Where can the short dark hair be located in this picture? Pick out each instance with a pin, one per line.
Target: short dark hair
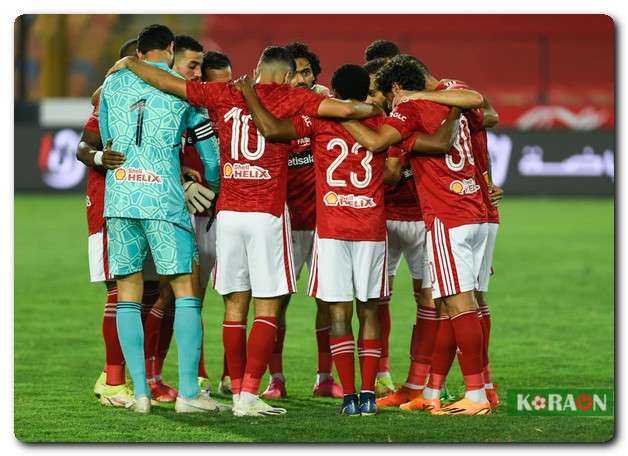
(373, 66)
(403, 70)
(213, 60)
(183, 42)
(154, 37)
(273, 54)
(351, 82)
(301, 51)
(421, 65)
(381, 49)
(128, 48)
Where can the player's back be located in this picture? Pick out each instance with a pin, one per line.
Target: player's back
(254, 171)
(146, 125)
(349, 182)
(447, 185)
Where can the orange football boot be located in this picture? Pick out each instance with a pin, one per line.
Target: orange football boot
(420, 403)
(465, 407)
(493, 398)
(401, 396)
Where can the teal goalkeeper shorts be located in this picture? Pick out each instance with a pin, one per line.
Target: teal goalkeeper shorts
(173, 248)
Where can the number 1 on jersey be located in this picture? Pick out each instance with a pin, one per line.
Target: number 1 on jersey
(139, 107)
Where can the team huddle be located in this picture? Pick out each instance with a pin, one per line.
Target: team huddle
(194, 176)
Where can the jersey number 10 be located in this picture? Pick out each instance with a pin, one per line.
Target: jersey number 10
(240, 136)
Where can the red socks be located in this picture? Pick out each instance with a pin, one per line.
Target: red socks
(342, 349)
(275, 366)
(324, 351)
(152, 326)
(423, 342)
(259, 348)
(443, 354)
(383, 310)
(369, 352)
(234, 342)
(470, 340)
(165, 335)
(225, 369)
(114, 364)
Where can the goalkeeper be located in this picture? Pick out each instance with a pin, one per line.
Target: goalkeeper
(145, 208)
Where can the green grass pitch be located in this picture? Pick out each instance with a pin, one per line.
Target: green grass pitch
(552, 304)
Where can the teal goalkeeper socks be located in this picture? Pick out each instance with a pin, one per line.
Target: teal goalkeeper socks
(189, 335)
(131, 336)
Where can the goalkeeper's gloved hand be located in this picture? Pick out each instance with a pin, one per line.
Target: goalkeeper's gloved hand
(197, 197)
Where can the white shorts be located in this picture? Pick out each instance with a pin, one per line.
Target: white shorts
(302, 242)
(254, 252)
(407, 238)
(344, 269)
(97, 252)
(206, 243)
(455, 256)
(487, 261)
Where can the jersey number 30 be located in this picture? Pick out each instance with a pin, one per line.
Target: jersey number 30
(240, 136)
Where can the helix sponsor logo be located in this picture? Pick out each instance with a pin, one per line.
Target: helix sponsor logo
(136, 175)
(245, 171)
(355, 201)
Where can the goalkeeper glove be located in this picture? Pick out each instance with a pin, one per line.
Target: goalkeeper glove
(197, 197)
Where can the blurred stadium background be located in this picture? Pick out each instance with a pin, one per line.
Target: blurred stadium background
(550, 77)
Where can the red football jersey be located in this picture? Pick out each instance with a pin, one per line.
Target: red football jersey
(95, 194)
(401, 200)
(480, 149)
(301, 186)
(349, 181)
(254, 172)
(447, 185)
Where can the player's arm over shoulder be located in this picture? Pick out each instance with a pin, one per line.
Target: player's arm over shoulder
(158, 78)
(438, 143)
(346, 109)
(269, 126)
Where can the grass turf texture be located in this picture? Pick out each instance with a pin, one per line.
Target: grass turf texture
(551, 302)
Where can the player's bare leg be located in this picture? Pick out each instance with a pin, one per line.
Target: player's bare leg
(491, 389)
(369, 352)
(188, 333)
(467, 331)
(277, 385)
(325, 385)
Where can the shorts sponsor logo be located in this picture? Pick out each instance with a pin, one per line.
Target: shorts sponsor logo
(88, 201)
(136, 175)
(464, 187)
(561, 401)
(245, 171)
(355, 201)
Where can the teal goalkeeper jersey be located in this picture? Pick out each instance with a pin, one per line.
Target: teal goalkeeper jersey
(147, 125)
